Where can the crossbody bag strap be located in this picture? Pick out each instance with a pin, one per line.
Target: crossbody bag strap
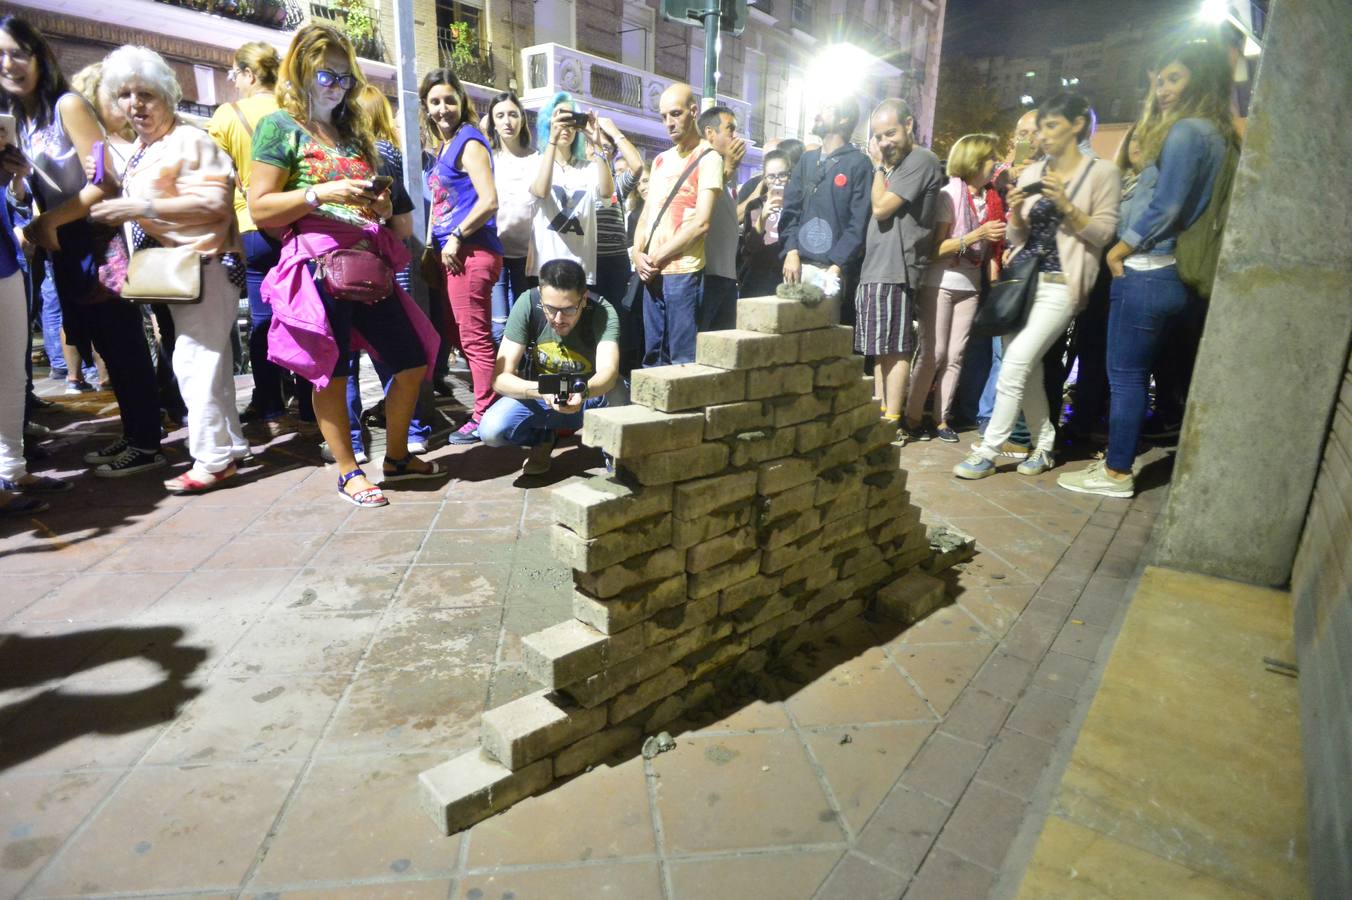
(240, 114)
(676, 189)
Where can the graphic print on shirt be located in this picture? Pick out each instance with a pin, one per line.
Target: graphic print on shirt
(553, 358)
(280, 141)
(568, 202)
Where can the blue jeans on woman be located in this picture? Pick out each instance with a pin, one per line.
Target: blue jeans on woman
(512, 283)
(417, 429)
(1142, 308)
(261, 253)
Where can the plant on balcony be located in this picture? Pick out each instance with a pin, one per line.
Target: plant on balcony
(461, 52)
(359, 23)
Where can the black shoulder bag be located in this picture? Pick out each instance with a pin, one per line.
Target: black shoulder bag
(1005, 307)
(631, 307)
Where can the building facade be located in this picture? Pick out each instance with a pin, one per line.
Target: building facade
(615, 55)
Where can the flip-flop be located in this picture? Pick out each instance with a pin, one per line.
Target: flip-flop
(24, 506)
(367, 498)
(403, 473)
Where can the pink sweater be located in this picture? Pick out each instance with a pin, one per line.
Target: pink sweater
(1080, 251)
(300, 338)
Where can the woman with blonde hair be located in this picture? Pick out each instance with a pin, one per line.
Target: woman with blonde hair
(1185, 136)
(968, 238)
(314, 164)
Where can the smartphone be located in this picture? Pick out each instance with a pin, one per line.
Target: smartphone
(1022, 150)
(1031, 189)
(381, 183)
(580, 119)
(9, 130)
(97, 152)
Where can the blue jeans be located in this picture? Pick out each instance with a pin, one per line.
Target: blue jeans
(261, 253)
(720, 304)
(971, 403)
(51, 323)
(673, 308)
(417, 429)
(512, 283)
(1142, 309)
(510, 422)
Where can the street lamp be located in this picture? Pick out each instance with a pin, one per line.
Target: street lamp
(1215, 12)
(1027, 100)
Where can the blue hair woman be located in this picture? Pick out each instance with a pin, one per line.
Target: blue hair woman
(573, 173)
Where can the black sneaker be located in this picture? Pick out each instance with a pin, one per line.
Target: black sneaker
(109, 453)
(466, 434)
(1159, 431)
(946, 434)
(131, 462)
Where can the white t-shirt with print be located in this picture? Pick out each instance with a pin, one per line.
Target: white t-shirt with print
(565, 221)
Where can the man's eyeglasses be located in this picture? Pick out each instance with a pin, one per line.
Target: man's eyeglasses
(561, 312)
(232, 75)
(328, 78)
(22, 57)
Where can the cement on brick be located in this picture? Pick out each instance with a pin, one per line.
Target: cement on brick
(695, 498)
(775, 315)
(727, 419)
(473, 786)
(591, 507)
(762, 384)
(674, 465)
(689, 386)
(634, 430)
(534, 726)
(735, 349)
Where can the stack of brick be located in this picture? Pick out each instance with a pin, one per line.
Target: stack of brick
(758, 503)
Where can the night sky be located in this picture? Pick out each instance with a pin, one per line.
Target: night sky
(1031, 27)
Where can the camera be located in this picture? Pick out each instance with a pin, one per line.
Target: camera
(579, 119)
(561, 385)
(1031, 189)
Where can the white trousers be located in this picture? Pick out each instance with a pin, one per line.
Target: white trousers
(14, 344)
(205, 368)
(1020, 381)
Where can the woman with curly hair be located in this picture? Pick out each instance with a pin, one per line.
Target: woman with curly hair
(314, 165)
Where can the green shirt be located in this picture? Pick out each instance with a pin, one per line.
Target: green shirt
(574, 354)
(280, 141)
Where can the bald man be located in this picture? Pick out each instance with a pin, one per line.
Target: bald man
(669, 252)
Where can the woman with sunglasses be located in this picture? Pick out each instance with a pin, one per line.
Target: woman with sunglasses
(57, 132)
(314, 161)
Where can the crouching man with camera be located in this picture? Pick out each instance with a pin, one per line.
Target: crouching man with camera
(560, 354)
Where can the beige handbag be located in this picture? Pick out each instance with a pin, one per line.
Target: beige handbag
(163, 275)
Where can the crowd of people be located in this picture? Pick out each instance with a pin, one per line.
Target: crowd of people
(557, 262)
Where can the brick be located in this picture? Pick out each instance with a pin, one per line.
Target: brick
(878, 435)
(950, 547)
(836, 483)
(745, 349)
(859, 560)
(634, 430)
(840, 372)
(846, 612)
(685, 533)
(631, 573)
(792, 410)
(733, 418)
(826, 343)
(873, 577)
(473, 786)
(762, 384)
(566, 653)
(676, 465)
(690, 386)
(810, 436)
(708, 660)
(858, 392)
(593, 506)
(593, 749)
(696, 498)
(811, 574)
(838, 454)
(848, 501)
(884, 487)
(742, 593)
(729, 573)
(646, 693)
(789, 528)
(667, 711)
(774, 315)
(754, 447)
(907, 559)
(719, 549)
(782, 474)
(775, 506)
(535, 726)
(781, 558)
(678, 619)
(630, 608)
(763, 632)
(911, 597)
(852, 420)
(592, 555)
(844, 528)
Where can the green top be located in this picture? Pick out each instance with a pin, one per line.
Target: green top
(280, 141)
(555, 355)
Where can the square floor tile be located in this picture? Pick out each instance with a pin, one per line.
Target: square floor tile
(941, 671)
(410, 638)
(862, 764)
(107, 597)
(38, 813)
(867, 688)
(405, 710)
(763, 876)
(178, 553)
(367, 589)
(452, 586)
(290, 643)
(384, 548)
(627, 881)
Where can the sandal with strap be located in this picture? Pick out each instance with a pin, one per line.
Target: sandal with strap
(367, 498)
(402, 472)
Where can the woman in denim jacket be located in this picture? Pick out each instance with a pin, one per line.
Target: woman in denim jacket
(1184, 134)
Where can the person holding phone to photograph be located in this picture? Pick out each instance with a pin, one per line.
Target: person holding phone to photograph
(569, 340)
(314, 162)
(58, 131)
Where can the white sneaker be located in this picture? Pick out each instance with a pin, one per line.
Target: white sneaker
(1096, 480)
(1038, 461)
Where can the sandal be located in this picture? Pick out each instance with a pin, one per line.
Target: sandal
(403, 473)
(367, 498)
(190, 483)
(24, 506)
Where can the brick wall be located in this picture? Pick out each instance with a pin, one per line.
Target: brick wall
(1321, 587)
(597, 28)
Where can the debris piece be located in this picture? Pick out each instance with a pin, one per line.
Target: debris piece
(658, 743)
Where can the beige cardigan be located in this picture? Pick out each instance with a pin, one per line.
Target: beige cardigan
(1080, 251)
(186, 161)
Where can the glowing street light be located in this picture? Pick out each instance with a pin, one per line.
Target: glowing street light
(1214, 11)
(1027, 100)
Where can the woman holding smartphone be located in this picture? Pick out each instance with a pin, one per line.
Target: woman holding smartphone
(314, 164)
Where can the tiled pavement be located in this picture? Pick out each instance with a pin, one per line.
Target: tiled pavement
(231, 695)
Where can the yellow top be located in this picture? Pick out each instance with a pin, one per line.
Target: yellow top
(237, 141)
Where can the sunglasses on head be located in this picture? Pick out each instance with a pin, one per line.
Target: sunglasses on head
(328, 78)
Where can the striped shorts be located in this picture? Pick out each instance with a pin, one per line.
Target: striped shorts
(884, 322)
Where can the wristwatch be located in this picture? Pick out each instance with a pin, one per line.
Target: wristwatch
(457, 233)
(311, 197)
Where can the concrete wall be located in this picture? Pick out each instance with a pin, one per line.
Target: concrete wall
(1273, 353)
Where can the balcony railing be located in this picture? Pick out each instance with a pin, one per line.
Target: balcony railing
(283, 15)
(551, 68)
(473, 63)
(369, 44)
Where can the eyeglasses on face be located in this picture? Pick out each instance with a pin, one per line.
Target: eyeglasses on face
(561, 312)
(328, 78)
(777, 176)
(21, 56)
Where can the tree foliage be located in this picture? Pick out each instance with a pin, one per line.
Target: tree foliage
(965, 105)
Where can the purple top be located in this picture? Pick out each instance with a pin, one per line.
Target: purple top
(453, 193)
